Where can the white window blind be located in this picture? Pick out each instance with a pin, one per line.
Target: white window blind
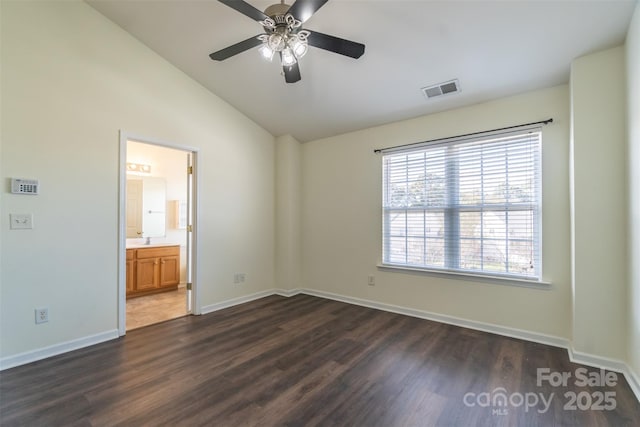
(465, 205)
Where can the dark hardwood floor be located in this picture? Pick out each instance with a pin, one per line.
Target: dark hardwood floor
(305, 361)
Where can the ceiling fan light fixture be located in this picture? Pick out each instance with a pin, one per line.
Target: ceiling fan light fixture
(288, 57)
(268, 23)
(283, 34)
(298, 46)
(292, 22)
(266, 52)
(300, 49)
(276, 42)
(287, 40)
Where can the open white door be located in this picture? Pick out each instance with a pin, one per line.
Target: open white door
(189, 249)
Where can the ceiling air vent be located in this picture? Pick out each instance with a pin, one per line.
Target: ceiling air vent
(441, 89)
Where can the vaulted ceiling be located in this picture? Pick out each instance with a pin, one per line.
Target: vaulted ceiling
(494, 49)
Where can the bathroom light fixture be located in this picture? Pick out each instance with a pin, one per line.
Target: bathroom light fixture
(138, 168)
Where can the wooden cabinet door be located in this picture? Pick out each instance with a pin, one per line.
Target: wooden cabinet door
(147, 274)
(131, 278)
(131, 270)
(169, 271)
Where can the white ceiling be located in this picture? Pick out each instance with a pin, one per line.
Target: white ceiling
(494, 48)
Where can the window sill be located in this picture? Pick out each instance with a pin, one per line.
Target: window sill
(497, 280)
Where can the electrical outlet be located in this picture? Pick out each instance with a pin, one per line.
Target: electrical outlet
(239, 278)
(372, 280)
(42, 315)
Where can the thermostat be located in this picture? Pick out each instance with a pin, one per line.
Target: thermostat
(24, 186)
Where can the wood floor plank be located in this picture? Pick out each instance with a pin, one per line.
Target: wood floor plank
(301, 361)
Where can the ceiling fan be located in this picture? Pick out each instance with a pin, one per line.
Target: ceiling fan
(283, 35)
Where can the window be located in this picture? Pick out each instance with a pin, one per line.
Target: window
(465, 205)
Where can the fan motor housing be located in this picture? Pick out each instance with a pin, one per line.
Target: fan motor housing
(275, 10)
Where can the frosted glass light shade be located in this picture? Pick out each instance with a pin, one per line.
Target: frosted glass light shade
(298, 46)
(266, 52)
(276, 42)
(288, 58)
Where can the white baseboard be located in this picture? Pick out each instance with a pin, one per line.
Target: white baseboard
(240, 300)
(634, 381)
(287, 292)
(56, 349)
(608, 364)
(596, 361)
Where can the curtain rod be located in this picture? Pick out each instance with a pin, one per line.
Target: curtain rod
(542, 122)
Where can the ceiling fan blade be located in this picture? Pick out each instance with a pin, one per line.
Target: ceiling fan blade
(335, 44)
(291, 73)
(235, 49)
(245, 8)
(303, 9)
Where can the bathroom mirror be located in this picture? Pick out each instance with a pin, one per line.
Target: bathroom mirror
(146, 207)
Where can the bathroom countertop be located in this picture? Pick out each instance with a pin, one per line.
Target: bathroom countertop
(152, 245)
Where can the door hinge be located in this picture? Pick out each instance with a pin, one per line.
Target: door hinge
(190, 228)
(189, 286)
(190, 170)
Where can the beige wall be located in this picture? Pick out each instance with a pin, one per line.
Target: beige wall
(633, 162)
(71, 80)
(341, 219)
(288, 203)
(599, 222)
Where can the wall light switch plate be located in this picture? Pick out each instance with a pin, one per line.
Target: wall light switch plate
(21, 221)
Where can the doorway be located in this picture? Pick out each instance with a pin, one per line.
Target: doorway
(157, 244)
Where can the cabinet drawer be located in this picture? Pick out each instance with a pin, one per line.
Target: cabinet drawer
(131, 254)
(158, 252)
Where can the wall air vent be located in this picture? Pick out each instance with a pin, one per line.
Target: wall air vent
(452, 86)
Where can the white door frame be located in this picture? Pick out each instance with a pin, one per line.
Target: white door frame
(122, 225)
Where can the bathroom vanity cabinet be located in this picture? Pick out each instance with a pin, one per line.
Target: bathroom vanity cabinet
(152, 269)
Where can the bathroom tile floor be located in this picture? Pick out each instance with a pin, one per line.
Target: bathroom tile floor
(150, 309)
